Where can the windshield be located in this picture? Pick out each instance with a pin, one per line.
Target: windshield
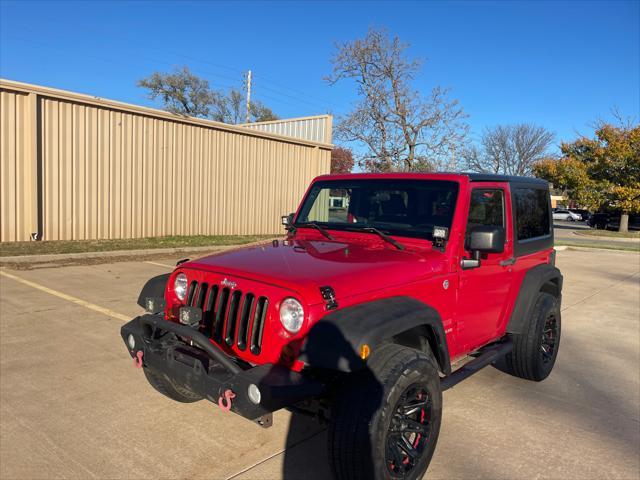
(399, 207)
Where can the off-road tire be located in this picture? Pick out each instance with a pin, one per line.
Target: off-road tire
(527, 359)
(169, 389)
(366, 407)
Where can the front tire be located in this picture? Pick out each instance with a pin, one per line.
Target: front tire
(386, 421)
(170, 389)
(535, 351)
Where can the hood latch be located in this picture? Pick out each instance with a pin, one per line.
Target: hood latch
(329, 296)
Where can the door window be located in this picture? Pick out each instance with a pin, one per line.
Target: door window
(486, 208)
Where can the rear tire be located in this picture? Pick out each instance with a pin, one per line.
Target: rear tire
(170, 389)
(385, 422)
(534, 351)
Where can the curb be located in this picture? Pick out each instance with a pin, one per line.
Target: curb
(609, 239)
(594, 249)
(56, 257)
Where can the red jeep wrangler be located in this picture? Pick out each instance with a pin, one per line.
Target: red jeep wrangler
(382, 281)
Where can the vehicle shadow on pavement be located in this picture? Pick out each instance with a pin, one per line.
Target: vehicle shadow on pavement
(311, 458)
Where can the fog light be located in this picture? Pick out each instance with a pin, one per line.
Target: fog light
(131, 342)
(254, 394)
(191, 316)
(154, 305)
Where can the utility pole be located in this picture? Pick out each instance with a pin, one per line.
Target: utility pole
(248, 96)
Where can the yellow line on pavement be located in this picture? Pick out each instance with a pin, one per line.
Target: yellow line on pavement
(64, 296)
(161, 265)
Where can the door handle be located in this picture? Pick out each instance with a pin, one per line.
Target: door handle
(507, 262)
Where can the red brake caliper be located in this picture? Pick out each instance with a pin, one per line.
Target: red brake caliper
(419, 435)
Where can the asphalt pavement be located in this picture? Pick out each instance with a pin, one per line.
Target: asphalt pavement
(72, 405)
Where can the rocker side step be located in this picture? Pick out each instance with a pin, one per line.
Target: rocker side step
(486, 356)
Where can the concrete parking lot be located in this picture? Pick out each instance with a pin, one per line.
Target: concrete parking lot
(73, 405)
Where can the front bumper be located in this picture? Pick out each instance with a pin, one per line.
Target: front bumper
(190, 359)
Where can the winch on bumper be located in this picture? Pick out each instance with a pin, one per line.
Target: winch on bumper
(190, 359)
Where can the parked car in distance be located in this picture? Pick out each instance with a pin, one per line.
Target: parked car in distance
(599, 220)
(614, 222)
(566, 215)
(611, 221)
(585, 214)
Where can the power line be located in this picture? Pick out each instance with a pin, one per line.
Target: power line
(261, 96)
(292, 89)
(305, 99)
(300, 97)
(296, 99)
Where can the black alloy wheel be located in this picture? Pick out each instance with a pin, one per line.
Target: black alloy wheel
(408, 431)
(549, 338)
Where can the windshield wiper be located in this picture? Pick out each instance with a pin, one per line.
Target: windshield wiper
(381, 234)
(315, 225)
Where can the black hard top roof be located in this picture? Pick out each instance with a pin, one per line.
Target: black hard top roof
(473, 177)
(490, 177)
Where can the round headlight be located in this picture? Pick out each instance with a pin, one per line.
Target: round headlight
(291, 315)
(180, 286)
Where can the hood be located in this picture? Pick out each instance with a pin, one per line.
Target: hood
(303, 266)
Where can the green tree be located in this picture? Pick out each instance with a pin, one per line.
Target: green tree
(261, 113)
(184, 93)
(181, 92)
(600, 172)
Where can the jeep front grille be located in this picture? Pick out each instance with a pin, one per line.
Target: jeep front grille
(230, 315)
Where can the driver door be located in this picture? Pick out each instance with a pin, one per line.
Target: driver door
(484, 291)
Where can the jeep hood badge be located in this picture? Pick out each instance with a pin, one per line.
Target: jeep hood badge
(228, 283)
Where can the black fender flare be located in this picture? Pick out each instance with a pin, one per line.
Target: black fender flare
(334, 341)
(545, 278)
(153, 288)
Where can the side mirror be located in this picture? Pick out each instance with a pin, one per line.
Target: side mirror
(287, 219)
(483, 239)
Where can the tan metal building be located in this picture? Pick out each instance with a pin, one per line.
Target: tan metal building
(74, 166)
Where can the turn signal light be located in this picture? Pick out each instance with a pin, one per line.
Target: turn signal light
(364, 351)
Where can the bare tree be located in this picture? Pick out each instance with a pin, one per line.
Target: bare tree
(509, 149)
(399, 128)
(184, 93)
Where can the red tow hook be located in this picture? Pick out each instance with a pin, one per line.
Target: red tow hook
(228, 395)
(137, 361)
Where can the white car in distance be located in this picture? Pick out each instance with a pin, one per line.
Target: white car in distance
(566, 215)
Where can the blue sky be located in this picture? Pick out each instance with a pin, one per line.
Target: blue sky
(557, 64)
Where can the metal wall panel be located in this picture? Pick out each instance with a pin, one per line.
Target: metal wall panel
(112, 170)
(18, 175)
(317, 129)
